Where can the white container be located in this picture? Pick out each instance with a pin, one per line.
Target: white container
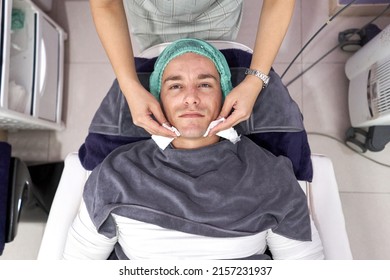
(368, 71)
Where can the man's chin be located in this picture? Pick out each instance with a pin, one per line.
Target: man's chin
(192, 132)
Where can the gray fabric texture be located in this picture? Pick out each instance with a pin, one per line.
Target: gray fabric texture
(222, 190)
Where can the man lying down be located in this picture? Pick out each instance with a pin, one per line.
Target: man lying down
(195, 196)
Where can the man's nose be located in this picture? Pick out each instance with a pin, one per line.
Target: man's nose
(192, 96)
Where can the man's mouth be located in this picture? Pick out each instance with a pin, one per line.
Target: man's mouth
(191, 115)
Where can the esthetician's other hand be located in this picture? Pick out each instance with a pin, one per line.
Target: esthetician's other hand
(238, 104)
(274, 20)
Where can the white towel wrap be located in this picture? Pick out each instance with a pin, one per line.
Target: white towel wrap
(229, 134)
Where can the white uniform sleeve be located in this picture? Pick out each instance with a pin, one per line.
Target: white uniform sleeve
(283, 248)
(84, 242)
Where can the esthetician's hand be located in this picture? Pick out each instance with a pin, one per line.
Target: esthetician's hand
(274, 20)
(143, 107)
(111, 25)
(239, 103)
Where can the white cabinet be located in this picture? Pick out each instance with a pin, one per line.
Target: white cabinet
(32, 63)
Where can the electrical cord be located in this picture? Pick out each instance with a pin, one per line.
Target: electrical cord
(315, 35)
(340, 141)
(347, 37)
(335, 47)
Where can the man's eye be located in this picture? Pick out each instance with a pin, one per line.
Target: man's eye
(204, 85)
(175, 86)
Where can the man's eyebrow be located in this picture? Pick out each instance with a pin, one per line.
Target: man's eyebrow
(173, 78)
(207, 76)
(200, 77)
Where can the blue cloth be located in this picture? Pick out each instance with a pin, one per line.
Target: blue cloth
(5, 159)
(276, 122)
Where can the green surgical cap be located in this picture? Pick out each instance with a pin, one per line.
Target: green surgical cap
(181, 47)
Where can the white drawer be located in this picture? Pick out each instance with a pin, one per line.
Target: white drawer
(45, 96)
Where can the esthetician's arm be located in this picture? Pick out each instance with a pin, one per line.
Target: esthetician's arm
(111, 24)
(274, 20)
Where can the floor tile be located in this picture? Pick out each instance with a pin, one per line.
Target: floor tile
(83, 44)
(325, 99)
(292, 41)
(321, 93)
(366, 221)
(354, 172)
(314, 16)
(30, 145)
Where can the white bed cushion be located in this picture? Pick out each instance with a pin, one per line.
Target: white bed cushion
(322, 193)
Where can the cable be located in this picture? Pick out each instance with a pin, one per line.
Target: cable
(338, 45)
(322, 57)
(340, 141)
(315, 35)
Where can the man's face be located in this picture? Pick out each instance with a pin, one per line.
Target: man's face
(191, 94)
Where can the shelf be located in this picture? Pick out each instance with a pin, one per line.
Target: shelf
(11, 120)
(359, 8)
(32, 61)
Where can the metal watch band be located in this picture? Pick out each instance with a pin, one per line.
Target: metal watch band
(259, 75)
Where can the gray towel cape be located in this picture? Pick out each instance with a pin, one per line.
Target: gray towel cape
(223, 190)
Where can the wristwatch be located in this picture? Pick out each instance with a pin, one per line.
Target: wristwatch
(258, 74)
